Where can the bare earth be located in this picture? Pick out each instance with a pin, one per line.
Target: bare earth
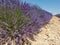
(50, 34)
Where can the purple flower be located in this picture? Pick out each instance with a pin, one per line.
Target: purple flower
(21, 20)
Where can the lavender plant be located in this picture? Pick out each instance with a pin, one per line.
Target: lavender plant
(19, 21)
(10, 20)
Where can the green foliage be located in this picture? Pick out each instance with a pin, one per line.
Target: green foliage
(9, 17)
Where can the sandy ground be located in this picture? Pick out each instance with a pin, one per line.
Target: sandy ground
(50, 34)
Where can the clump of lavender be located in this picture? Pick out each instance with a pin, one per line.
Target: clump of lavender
(19, 21)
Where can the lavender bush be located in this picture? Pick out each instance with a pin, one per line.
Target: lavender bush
(19, 21)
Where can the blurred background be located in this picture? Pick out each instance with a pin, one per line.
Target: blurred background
(52, 6)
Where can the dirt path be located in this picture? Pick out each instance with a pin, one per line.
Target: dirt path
(50, 34)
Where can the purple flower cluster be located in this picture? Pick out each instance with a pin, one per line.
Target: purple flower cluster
(21, 20)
